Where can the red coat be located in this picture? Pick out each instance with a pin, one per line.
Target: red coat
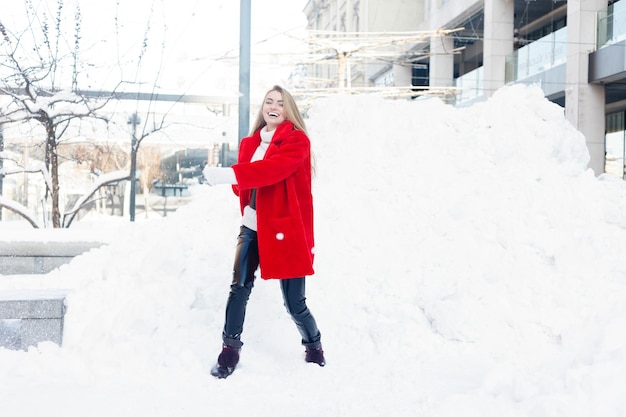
(284, 204)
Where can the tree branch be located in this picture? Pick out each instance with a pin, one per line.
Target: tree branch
(21, 210)
(109, 178)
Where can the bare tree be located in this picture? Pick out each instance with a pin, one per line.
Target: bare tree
(40, 87)
(39, 72)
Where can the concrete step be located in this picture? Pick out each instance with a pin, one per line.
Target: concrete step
(28, 317)
(37, 257)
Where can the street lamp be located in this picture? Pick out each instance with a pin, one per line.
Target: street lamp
(133, 120)
(1, 162)
(245, 12)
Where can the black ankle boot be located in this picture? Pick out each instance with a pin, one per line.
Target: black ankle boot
(226, 362)
(229, 357)
(314, 353)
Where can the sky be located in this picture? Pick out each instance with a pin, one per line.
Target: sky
(467, 263)
(191, 45)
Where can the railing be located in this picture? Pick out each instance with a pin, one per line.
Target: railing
(538, 56)
(612, 24)
(534, 58)
(469, 86)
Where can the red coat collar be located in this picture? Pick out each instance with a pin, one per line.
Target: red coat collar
(249, 144)
(284, 127)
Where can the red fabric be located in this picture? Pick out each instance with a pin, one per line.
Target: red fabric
(284, 203)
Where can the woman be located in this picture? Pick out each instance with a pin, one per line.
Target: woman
(272, 178)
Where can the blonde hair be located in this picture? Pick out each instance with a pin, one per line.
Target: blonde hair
(290, 111)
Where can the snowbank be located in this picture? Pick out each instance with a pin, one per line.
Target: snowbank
(467, 263)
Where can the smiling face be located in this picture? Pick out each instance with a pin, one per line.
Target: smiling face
(273, 110)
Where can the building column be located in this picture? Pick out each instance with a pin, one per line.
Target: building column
(441, 69)
(498, 42)
(584, 102)
(349, 16)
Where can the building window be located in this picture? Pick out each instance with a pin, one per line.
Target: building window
(614, 145)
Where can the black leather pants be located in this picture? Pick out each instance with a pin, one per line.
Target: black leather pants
(293, 289)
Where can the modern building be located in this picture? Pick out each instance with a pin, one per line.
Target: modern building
(575, 50)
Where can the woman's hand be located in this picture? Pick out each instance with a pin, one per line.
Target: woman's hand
(219, 175)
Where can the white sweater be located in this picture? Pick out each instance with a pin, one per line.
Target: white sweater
(249, 214)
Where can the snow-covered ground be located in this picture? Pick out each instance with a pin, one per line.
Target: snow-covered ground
(468, 264)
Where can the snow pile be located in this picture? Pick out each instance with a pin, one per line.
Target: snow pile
(467, 262)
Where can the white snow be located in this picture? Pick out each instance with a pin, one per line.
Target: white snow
(468, 264)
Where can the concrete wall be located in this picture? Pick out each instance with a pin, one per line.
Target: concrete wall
(28, 317)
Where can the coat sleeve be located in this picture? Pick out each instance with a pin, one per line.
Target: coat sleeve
(284, 157)
(246, 149)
